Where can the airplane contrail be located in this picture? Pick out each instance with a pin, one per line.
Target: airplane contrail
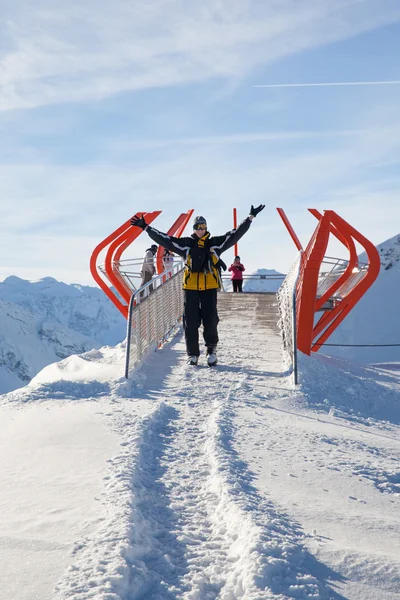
(326, 84)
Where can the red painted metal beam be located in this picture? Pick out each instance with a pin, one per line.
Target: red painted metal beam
(125, 240)
(176, 230)
(290, 229)
(235, 247)
(123, 232)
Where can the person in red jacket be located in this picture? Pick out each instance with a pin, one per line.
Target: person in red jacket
(237, 274)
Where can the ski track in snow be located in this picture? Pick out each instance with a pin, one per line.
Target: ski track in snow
(186, 517)
(221, 521)
(195, 526)
(197, 530)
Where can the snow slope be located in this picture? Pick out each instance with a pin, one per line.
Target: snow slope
(227, 483)
(52, 460)
(376, 318)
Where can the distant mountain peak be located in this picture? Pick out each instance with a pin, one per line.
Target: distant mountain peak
(14, 280)
(82, 308)
(389, 252)
(43, 321)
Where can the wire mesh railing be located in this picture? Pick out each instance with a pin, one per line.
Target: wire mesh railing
(331, 270)
(286, 296)
(155, 309)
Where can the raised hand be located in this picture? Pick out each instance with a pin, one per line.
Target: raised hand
(254, 211)
(138, 222)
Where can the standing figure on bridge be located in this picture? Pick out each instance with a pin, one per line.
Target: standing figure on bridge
(168, 259)
(201, 278)
(148, 266)
(237, 269)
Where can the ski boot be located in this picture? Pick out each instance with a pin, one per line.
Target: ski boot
(212, 357)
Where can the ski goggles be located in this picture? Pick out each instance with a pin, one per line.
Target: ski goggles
(200, 226)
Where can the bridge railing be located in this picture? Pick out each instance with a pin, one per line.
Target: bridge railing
(154, 310)
(274, 280)
(288, 316)
(331, 271)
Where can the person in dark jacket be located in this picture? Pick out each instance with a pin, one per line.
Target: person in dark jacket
(201, 278)
(237, 269)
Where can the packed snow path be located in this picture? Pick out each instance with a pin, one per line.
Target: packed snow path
(200, 530)
(230, 484)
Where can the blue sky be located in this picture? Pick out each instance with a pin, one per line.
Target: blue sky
(109, 108)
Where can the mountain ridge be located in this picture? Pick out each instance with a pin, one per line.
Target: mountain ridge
(45, 321)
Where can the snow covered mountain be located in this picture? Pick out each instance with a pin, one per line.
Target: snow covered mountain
(45, 321)
(84, 309)
(376, 318)
(390, 253)
(30, 341)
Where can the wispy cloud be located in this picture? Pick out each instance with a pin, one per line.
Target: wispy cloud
(90, 200)
(123, 145)
(72, 52)
(69, 175)
(324, 84)
(32, 246)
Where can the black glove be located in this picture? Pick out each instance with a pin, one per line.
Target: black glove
(139, 222)
(254, 211)
(221, 265)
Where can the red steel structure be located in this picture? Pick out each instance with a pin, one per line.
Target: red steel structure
(176, 230)
(125, 235)
(332, 294)
(115, 244)
(235, 247)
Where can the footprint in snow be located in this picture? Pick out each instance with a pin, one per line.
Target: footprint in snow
(357, 499)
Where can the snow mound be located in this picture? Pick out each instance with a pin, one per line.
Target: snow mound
(355, 392)
(102, 365)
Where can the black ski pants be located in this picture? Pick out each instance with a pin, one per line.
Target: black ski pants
(237, 285)
(200, 307)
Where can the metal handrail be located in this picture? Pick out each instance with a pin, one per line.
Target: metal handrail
(287, 302)
(130, 270)
(154, 310)
(144, 291)
(338, 268)
(256, 276)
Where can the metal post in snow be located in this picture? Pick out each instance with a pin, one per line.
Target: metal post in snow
(295, 368)
(129, 335)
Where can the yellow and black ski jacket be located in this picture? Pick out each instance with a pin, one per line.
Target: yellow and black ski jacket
(202, 255)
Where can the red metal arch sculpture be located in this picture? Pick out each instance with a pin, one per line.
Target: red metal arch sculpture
(336, 298)
(115, 244)
(176, 230)
(122, 237)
